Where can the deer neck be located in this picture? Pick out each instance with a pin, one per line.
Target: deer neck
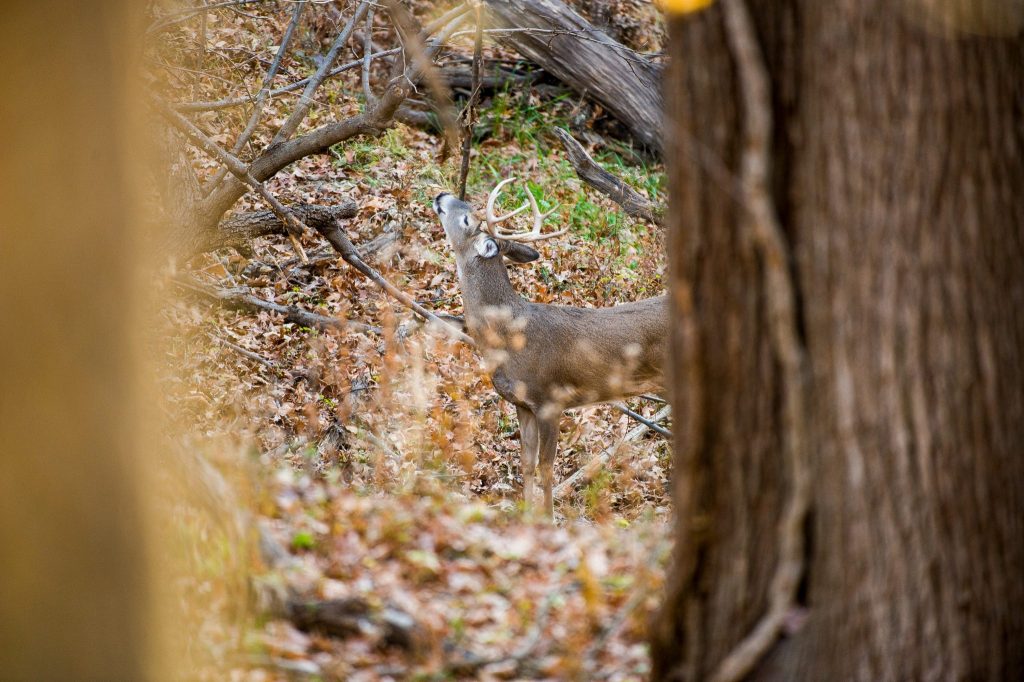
(485, 285)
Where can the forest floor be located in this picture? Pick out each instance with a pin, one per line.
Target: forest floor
(382, 462)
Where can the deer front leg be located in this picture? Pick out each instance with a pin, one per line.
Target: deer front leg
(548, 435)
(529, 443)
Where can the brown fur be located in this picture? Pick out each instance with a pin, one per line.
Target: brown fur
(547, 358)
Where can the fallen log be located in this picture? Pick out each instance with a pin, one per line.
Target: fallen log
(240, 229)
(556, 38)
(590, 172)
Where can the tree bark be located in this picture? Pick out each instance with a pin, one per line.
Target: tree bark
(897, 158)
(566, 45)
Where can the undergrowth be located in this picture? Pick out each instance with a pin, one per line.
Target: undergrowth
(385, 464)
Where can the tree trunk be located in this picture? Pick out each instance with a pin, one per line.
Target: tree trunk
(566, 45)
(896, 167)
(74, 598)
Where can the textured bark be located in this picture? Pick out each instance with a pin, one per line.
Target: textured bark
(563, 43)
(897, 162)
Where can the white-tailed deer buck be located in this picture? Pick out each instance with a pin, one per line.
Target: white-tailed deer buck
(545, 358)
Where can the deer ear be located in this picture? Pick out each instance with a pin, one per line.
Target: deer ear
(517, 252)
(486, 247)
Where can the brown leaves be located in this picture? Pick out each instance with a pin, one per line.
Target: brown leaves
(385, 463)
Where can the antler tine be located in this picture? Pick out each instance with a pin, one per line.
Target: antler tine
(493, 220)
(533, 235)
(538, 220)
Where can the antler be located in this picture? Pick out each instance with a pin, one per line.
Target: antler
(533, 235)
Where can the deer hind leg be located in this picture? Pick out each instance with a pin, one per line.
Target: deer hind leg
(548, 432)
(529, 443)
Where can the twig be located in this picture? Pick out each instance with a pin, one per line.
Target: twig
(306, 100)
(261, 97)
(184, 15)
(367, 49)
(229, 102)
(469, 119)
(423, 65)
(244, 351)
(631, 201)
(780, 298)
(642, 419)
(590, 469)
(341, 243)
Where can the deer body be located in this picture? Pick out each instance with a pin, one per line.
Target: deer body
(547, 358)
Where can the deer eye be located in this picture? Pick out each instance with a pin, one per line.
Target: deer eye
(465, 220)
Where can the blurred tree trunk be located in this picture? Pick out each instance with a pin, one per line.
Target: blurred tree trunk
(74, 602)
(897, 172)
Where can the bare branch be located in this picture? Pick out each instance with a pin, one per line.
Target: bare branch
(423, 66)
(469, 114)
(228, 102)
(243, 299)
(373, 121)
(367, 50)
(653, 426)
(261, 98)
(239, 170)
(591, 468)
(341, 243)
(590, 172)
(306, 100)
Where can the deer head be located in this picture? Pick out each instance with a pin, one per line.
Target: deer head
(472, 237)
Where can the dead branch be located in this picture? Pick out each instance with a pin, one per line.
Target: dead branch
(298, 114)
(241, 228)
(590, 172)
(239, 170)
(422, 61)
(374, 121)
(354, 615)
(780, 296)
(653, 426)
(228, 102)
(591, 468)
(244, 352)
(242, 298)
(367, 50)
(261, 97)
(341, 243)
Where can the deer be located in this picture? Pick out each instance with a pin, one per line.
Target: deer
(545, 358)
